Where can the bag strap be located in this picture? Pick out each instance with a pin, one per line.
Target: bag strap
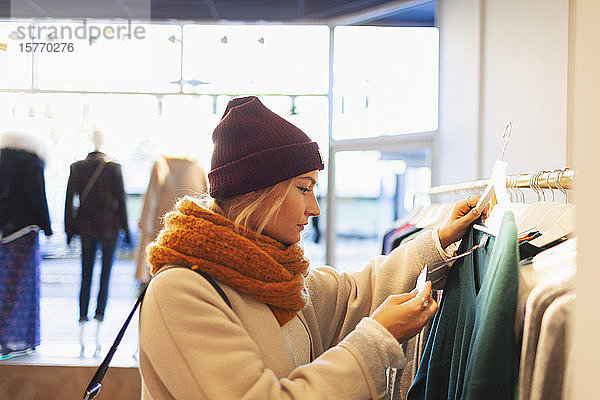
(95, 384)
(91, 182)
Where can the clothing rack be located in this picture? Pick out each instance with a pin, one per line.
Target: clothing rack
(562, 180)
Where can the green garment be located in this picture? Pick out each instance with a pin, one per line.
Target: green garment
(492, 367)
(460, 323)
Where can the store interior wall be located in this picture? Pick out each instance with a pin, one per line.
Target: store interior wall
(531, 55)
(457, 144)
(502, 60)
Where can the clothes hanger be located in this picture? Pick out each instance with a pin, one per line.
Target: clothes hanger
(552, 215)
(488, 192)
(533, 214)
(563, 226)
(497, 187)
(518, 207)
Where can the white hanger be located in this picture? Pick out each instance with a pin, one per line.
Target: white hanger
(532, 215)
(489, 190)
(565, 225)
(557, 221)
(498, 184)
(552, 216)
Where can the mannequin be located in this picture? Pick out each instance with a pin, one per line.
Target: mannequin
(98, 220)
(171, 178)
(23, 212)
(98, 140)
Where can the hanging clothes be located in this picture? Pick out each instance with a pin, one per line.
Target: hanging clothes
(20, 294)
(170, 179)
(98, 220)
(445, 356)
(493, 364)
(393, 237)
(537, 303)
(23, 203)
(552, 354)
(103, 213)
(462, 359)
(23, 212)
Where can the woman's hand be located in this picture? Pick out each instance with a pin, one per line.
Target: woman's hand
(463, 214)
(404, 315)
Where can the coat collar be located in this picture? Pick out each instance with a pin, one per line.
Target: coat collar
(96, 155)
(26, 141)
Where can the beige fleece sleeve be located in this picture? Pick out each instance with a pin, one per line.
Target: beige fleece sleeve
(193, 346)
(343, 299)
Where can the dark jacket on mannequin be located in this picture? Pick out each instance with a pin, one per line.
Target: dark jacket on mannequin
(23, 204)
(103, 213)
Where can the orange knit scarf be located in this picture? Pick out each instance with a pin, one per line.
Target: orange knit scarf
(263, 268)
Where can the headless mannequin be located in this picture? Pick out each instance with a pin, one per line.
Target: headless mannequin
(98, 142)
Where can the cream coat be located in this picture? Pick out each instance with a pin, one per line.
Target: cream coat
(170, 179)
(193, 346)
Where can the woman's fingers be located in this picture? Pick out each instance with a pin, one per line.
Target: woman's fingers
(423, 299)
(404, 297)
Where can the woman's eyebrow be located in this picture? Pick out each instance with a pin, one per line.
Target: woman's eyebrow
(309, 179)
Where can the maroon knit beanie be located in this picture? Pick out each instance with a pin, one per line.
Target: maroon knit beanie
(256, 148)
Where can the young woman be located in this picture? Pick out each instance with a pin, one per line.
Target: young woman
(290, 331)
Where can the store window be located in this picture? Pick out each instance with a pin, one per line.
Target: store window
(188, 125)
(16, 64)
(66, 121)
(169, 101)
(276, 59)
(385, 81)
(373, 189)
(110, 57)
(385, 87)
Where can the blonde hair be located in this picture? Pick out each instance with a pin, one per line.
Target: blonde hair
(252, 211)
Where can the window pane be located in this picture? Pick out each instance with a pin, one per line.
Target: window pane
(111, 57)
(16, 63)
(256, 59)
(385, 81)
(372, 189)
(189, 123)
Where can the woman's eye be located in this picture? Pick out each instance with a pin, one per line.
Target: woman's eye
(303, 189)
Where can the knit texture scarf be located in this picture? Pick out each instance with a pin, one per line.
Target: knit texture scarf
(263, 268)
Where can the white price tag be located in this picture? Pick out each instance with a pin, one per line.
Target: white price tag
(422, 279)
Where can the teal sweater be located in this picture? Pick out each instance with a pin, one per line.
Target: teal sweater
(471, 347)
(492, 367)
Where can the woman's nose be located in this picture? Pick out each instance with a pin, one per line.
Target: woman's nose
(313, 208)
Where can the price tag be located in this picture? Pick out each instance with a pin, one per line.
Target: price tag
(422, 279)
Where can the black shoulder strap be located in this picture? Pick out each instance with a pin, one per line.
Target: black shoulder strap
(95, 384)
(215, 285)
